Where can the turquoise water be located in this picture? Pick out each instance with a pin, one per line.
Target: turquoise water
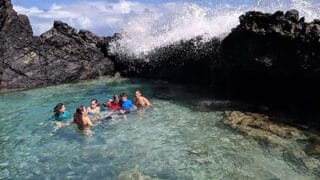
(180, 139)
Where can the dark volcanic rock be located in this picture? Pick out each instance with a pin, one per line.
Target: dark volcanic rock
(269, 59)
(59, 55)
(100, 42)
(274, 58)
(187, 61)
(69, 57)
(15, 35)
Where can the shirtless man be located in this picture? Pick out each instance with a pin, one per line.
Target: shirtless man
(141, 101)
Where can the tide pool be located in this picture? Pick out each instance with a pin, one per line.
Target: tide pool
(179, 139)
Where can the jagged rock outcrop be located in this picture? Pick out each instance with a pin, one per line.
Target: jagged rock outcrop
(269, 59)
(15, 35)
(187, 61)
(58, 55)
(100, 42)
(275, 59)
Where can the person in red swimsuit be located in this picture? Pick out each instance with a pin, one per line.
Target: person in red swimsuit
(113, 104)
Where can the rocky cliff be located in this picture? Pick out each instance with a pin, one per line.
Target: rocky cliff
(59, 55)
(270, 59)
(274, 58)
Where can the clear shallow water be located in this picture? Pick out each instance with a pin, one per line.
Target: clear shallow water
(178, 140)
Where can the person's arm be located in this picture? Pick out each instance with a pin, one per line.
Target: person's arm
(132, 105)
(89, 122)
(147, 102)
(105, 104)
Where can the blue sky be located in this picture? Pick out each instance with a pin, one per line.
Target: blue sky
(105, 17)
(42, 13)
(45, 4)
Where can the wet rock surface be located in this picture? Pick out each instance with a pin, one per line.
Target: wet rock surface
(260, 126)
(58, 55)
(285, 137)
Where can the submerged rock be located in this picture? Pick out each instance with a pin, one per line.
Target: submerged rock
(260, 127)
(313, 148)
(58, 55)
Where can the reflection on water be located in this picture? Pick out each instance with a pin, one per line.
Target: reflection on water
(177, 140)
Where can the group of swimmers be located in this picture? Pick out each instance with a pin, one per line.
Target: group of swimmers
(83, 116)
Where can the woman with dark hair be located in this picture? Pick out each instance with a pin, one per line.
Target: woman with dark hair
(81, 118)
(94, 107)
(60, 113)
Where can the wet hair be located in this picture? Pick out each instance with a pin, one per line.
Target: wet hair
(123, 94)
(138, 91)
(57, 108)
(95, 100)
(77, 117)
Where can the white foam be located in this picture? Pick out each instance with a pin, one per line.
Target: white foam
(172, 22)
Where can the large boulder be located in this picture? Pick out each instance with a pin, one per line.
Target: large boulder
(58, 55)
(275, 59)
(68, 57)
(15, 36)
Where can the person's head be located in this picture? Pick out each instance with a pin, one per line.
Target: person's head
(59, 108)
(78, 116)
(94, 103)
(116, 99)
(124, 97)
(81, 110)
(138, 93)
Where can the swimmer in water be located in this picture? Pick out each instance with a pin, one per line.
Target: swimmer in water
(126, 104)
(113, 104)
(94, 107)
(81, 118)
(141, 101)
(60, 114)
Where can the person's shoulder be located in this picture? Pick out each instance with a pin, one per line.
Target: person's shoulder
(144, 98)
